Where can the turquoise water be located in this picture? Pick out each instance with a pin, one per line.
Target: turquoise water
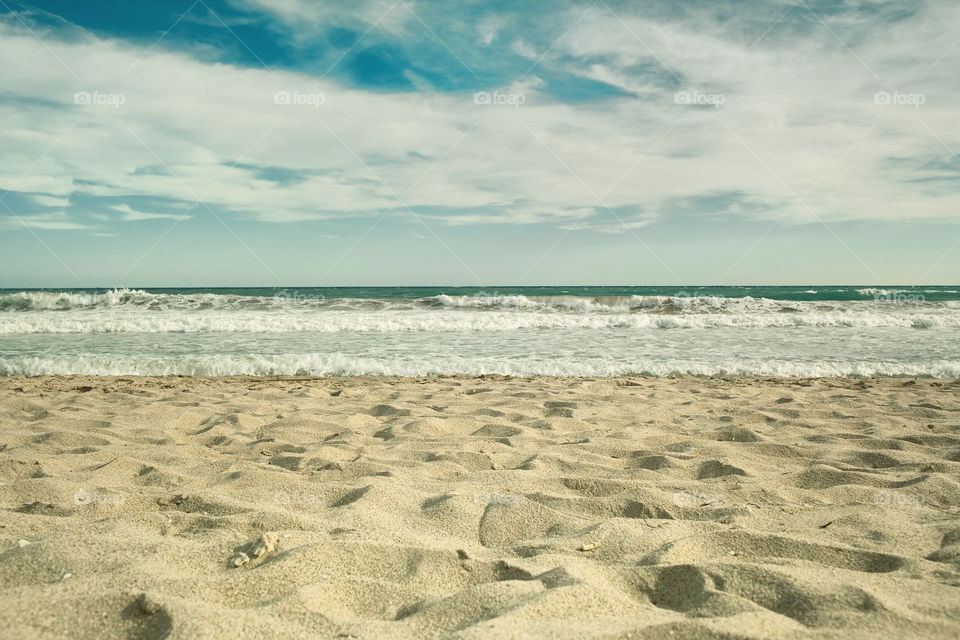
(578, 331)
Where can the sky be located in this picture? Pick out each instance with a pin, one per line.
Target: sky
(416, 142)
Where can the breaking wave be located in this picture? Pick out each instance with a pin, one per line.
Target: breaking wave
(338, 364)
(884, 332)
(419, 320)
(138, 311)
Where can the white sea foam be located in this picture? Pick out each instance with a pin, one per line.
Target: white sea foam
(355, 321)
(681, 303)
(871, 291)
(296, 332)
(341, 364)
(139, 299)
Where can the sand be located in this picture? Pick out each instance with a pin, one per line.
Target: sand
(479, 508)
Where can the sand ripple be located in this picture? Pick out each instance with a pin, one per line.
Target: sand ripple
(479, 508)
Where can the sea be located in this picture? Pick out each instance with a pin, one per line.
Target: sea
(802, 331)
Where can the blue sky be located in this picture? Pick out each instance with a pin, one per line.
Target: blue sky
(382, 142)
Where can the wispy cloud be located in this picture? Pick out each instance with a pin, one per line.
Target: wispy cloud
(46, 221)
(129, 214)
(597, 106)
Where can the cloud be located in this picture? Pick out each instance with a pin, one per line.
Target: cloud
(132, 215)
(799, 118)
(45, 221)
(50, 201)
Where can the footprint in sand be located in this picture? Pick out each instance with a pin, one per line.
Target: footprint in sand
(387, 411)
(559, 409)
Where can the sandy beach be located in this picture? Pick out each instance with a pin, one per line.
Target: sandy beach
(488, 507)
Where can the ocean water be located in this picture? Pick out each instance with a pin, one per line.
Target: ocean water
(571, 331)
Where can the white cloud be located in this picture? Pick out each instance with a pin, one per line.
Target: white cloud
(523, 48)
(796, 116)
(50, 201)
(46, 221)
(132, 215)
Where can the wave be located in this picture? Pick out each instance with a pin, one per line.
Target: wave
(353, 321)
(871, 291)
(602, 304)
(680, 303)
(139, 299)
(285, 299)
(343, 365)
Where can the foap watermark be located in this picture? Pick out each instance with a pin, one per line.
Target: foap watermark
(684, 294)
(497, 98)
(690, 299)
(898, 498)
(696, 98)
(497, 498)
(697, 499)
(899, 297)
(297, 498)
(84, 497)
(915, 100)
(98, 99)
(486, 298)
(297, 296)
(314, 100)
(80, 299)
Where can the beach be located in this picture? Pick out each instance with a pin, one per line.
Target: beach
(410, 320)
(479, 507)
